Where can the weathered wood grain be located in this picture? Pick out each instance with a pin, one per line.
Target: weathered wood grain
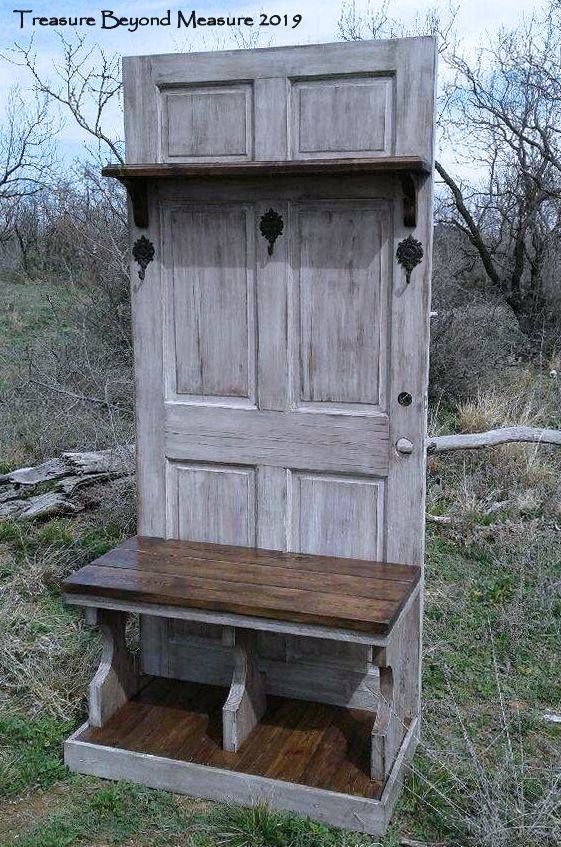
(328, 442)
(246, 701)
(72, 476)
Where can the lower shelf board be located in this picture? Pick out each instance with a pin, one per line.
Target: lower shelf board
(311, 744)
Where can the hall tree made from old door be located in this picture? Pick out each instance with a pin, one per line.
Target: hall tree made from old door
(268, 376)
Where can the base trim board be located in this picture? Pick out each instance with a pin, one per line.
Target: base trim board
(201, 781)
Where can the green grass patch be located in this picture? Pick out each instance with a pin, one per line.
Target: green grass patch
(30, 753)
(97, 540)
(27, 308)
(96, 812)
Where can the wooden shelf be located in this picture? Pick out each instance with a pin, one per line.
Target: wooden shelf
(135, 177)
(411, 164)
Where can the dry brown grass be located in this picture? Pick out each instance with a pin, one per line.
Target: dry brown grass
(46, 656)
(512, 480)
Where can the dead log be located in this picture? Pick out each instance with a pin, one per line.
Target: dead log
(22, 491)
(493, 438)
(41, 506)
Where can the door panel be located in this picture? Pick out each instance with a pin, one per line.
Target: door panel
(340, 302)
(342, 116)
(198, 124)
(212, 503)
(337, 516)
(211, 302)
(330, 282)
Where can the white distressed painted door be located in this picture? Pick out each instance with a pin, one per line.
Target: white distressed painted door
(268, 385)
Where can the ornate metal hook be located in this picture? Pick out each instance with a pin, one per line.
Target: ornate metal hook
(409, 253)
(143, 253)
(271, 226)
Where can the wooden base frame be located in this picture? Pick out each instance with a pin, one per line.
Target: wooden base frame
(109, 746)
(360, 814)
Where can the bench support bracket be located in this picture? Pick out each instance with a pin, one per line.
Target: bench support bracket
(117, 678)
(246, 701)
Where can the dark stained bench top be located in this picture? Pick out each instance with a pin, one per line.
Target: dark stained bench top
(327, 591)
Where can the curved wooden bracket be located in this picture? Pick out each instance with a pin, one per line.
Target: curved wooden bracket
(138, 194)
(246, 702)
(117, 677)
(409, 189)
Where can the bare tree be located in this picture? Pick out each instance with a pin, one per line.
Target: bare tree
(503, 111)
(376, 22)
(499, 116)
(86, 83)
(26, 156)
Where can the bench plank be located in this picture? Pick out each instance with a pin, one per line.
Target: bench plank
(317, 590)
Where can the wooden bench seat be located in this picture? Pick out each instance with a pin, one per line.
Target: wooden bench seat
(326, 591)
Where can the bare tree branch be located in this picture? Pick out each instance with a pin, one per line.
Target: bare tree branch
(26, 156)
(87, 83)
(493, 438)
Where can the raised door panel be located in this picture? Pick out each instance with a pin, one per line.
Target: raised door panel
(212, 503)
(210, 322)
(339, 303)
(198, 124)
(335, 117)
(337, 515)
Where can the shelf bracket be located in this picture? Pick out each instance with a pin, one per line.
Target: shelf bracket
(138, 193)
(409, 189)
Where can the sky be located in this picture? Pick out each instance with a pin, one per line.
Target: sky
(476, 19)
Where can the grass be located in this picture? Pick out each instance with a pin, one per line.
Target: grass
(95, 813)
(29, 308)
(62, 386)
(492, 667)
(486, 773)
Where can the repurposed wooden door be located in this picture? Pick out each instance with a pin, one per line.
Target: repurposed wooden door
(281, 384)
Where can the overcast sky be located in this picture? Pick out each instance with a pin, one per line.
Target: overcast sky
(476, 19)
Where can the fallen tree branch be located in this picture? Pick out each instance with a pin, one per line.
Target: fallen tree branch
(444, 520)
(22, 493)
(492, 438)
(83, 398)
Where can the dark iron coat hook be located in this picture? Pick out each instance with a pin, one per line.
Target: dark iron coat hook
(143, 253)
(409, 253)
(271, 226)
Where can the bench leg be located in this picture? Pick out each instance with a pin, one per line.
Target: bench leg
(399, 693)
(117, 677)
(388, 730)
(246, 701)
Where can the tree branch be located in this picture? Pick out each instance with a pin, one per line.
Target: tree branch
(492, 438)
